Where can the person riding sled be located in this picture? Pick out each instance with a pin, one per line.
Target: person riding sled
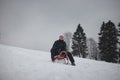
(58, 46)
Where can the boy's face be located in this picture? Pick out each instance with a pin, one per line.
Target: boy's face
(61, 37)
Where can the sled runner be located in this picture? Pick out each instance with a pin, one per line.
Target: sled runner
(62, 56)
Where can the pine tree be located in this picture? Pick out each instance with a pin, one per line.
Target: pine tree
(67, 38)
(119, 42)
(79, 42)
(92, 46)
(101, 40)
(108, 42)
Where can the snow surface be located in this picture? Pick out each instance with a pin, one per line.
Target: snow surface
(23, 64)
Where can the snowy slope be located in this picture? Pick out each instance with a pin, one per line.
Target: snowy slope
(23, 64)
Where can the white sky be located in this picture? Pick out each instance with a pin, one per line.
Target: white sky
(36, 24)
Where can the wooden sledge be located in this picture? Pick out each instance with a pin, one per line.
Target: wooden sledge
(62, 56)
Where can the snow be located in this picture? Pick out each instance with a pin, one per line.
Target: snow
(23, 64)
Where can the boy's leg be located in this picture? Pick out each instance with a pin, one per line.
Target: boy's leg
(52, 55)
(71, 58)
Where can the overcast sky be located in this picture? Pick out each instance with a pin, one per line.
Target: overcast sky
(36, 24)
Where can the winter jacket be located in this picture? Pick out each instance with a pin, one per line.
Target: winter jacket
(58, 46)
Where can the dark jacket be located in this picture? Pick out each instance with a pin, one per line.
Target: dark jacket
(58, 46)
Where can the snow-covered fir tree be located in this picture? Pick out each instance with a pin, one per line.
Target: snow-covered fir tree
(79, 43)
(67, 38)
(93, 52)
(108, 42)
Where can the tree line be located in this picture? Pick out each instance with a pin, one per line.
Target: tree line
(108, 46)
